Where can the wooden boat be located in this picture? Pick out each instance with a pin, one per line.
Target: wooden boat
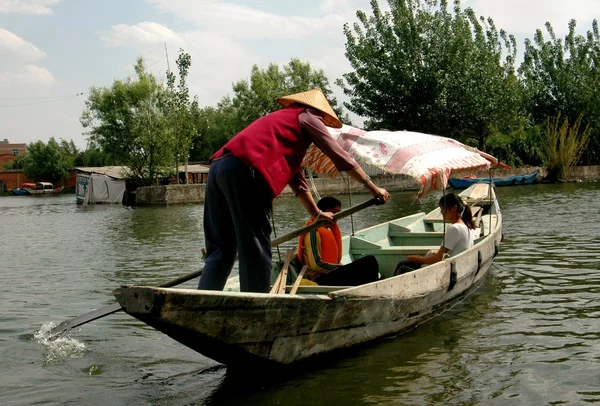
(463, 183)
(255, 329)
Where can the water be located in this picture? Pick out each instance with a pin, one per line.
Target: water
(529, 335)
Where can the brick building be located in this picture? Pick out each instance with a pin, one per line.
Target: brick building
(8, 151)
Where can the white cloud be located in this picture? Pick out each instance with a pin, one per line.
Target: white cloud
(27, 6)
(144, 33)
(524, 17)
(18, 72)
(14, 48)
(27, 77)
(216, 60)
(241, 21)
(331, 6)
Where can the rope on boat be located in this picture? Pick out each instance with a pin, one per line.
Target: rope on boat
(313, 184)
(347, 180)
(275, 233)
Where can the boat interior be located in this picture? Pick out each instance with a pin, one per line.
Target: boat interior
(392, 241)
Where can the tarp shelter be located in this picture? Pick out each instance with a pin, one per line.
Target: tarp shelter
(101, 184)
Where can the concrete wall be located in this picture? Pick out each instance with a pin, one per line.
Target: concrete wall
(180, 194)
(170, 194)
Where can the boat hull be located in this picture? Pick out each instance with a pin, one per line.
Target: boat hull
(463, 183)
(241, 329)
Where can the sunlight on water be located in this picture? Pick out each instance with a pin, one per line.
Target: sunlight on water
(60, 349)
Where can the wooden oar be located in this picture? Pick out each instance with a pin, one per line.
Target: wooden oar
(108, 310)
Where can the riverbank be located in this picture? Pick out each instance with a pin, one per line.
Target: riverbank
(185, 194)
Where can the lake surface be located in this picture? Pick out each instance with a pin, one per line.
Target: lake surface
(530, 335)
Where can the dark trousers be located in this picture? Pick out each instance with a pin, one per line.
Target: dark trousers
(237, 210)
(363, 270)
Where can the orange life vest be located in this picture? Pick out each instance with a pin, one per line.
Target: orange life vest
(330, 249)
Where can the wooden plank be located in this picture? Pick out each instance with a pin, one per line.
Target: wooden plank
(479, 192)
(475, 210)
(298, 280)
(279, 285)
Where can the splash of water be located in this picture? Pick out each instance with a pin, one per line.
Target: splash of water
(59, 349)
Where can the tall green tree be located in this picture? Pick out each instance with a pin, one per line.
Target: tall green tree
(561, 77)
(256, 97)
(182, 109)
(424, 68)
(95, 156)
(130, 121)
(47, 162)
(253, 98)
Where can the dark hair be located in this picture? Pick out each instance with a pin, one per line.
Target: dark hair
(450, 200)
(327, 203)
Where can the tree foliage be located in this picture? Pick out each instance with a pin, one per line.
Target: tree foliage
(46, 162)
(255, 97)
(130, 120)
(16, 163)
(421, 67)
(182, 109)
(561, 77)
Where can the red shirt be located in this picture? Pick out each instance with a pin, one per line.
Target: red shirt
(275, 146)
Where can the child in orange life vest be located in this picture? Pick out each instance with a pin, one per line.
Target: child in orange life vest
(321, 250)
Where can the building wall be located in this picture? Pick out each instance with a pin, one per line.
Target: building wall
(12, 149)
(14, 178)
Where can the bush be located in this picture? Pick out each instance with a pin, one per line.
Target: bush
(563, 146)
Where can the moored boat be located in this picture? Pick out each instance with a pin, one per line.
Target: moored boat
(241, 329)
(463, 183)
(43, 188)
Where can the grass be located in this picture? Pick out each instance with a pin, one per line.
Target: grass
(563, 146)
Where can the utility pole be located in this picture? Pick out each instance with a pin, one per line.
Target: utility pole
(167, 56)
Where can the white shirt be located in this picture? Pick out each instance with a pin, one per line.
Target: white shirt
(459, 238)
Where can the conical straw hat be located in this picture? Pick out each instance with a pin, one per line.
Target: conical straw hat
(316, 99)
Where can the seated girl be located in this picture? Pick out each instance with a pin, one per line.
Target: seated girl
(460, 236)
(321, 251)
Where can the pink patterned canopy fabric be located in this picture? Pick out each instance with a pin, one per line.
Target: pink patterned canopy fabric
(428, 159)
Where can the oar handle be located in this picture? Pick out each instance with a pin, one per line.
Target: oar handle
(317, 224)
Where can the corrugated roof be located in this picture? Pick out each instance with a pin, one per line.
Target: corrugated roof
(116, 172)
(195, 168)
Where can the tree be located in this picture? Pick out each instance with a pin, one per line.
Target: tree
(420, 67)
(253, 99)
(130, 121)
(16, 163)
(46, 162)
(182, 110)
(561, 77)
(94, 156)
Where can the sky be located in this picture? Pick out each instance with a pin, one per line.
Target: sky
(53, 51)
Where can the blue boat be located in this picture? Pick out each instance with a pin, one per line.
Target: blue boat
(463, 183)
(19, 191)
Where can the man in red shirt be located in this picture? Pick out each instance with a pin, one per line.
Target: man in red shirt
(250, 171)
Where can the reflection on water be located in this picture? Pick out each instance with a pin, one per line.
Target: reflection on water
(528, 335)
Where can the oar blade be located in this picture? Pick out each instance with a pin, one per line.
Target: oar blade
(70, 324)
